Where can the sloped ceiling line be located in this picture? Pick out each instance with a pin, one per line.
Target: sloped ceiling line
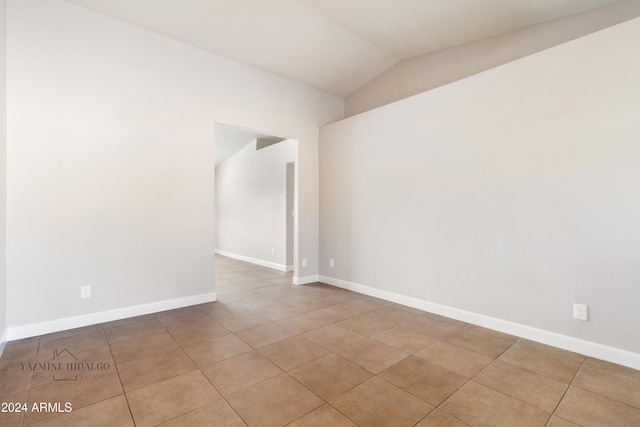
(334, 45)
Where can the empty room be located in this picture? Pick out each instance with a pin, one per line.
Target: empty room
(319, 213)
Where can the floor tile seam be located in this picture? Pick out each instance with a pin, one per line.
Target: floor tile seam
(611, 371)
(295, 367)
(151, 355)
(226, 397)
(282, 371)
(320, 397)
(324, 401)
(234, 410)
(126, 392)
(606, 397)
(443, 336)
(199, 340)
(416, 396)
(555, 410)
(437, 408)
(503, 351)
(307, 413)
(342, 346)
(478, 352)
(551, 350)
(178, 325)
(24, 417)
(467, 381)
(220, 360)
(209, 380)
(563, 419)
(209, 364)
(338, 409)
(126, 398)
(190, 411)
(535, 372)
(138, 337)
(438, 340)
(148, 355)
(249, 327)
(550, 413)
(195, 368)
(376, 373)
(528, 370)
(217, 319)
(442, 367)
(491, 335)
(344, 359)
(222, 397)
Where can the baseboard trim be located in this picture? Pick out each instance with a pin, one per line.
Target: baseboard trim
(588, 348)
(35, 329)
(305, 280)
(3, 341)
(263, 263)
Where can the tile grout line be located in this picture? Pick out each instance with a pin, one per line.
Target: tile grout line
(199, 368)
(566, 391)
(115, 364)
(468, 380)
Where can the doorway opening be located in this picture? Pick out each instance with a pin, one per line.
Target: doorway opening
(256, 197)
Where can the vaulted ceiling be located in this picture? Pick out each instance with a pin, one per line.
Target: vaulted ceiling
(333, 45)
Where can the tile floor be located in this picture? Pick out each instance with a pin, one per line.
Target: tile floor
(271, 354)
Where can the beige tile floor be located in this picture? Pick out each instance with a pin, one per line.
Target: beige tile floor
(271, 354)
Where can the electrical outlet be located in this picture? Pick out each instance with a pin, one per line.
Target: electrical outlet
(580, 311)
(331, 263)
(85, 291)
(273, 251)
(304, 262)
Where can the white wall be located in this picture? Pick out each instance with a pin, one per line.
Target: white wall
(251, 204)
(111, 169)
(3, 174)
(510, 194)
(425, 72)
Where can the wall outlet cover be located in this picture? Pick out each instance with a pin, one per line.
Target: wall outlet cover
(580, 311)
(85, 291)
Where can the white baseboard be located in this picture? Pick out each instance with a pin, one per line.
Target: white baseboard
(3, 341)
(263, 263)
(35, 329)
(306, 279)
(587, 348)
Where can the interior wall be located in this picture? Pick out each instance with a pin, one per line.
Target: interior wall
(511, 194)
(251, 204)
(3, 174)
(111, 170)
(425, 72)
